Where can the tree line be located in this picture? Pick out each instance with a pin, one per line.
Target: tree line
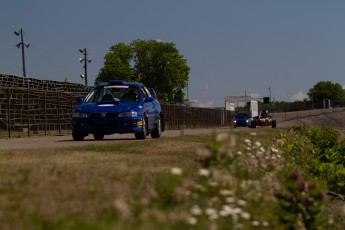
(322, 90)
(159, 65)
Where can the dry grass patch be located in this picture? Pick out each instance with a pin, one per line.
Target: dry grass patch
(52, 185)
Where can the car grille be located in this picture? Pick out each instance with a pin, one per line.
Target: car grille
(106, 115)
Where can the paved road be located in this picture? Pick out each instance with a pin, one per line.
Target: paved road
(66, 141)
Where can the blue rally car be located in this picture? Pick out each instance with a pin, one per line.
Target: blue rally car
(118, 107)
(242, 119)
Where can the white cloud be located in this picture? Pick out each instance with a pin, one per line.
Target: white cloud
(300, 96)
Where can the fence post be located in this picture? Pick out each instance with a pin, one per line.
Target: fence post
(58, 108)
(45, 113)
(8, 114)
(28, 111)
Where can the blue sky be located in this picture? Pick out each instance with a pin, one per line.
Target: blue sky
(234, 48)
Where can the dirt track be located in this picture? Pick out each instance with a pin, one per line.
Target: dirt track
(67, 141)
(334, 119)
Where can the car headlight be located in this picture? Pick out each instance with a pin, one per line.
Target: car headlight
(77, 115)
(128, 114)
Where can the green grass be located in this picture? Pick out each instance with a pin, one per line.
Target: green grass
(129, 185)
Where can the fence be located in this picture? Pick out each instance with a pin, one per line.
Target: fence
(27, 110)
(186, 117)
(40, 112)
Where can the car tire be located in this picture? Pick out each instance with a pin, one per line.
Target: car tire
(158, 131)
(78, 136)
(274, 123)
(98, 136)
(142, 135)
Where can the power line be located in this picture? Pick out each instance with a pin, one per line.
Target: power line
(47, 61)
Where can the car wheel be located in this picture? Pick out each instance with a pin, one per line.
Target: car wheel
(158, 131)
(142, 134)
(78, 136)
(98, 136)
(274, 123)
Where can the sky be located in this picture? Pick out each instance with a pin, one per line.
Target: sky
(276, 48)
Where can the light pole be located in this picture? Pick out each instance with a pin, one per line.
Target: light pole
(17, 33)
(85, 60)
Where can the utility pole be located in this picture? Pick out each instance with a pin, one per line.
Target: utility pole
(17, 33)
(85, 60)
(22, 43)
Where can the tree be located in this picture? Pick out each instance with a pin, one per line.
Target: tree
(116, 65)
(156, 64)
(327, 90)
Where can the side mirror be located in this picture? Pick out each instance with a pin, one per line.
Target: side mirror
(79, 100)
(149, 99)
(153, 93)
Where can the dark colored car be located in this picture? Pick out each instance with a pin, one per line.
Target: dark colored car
(118, 107)
(242, 119)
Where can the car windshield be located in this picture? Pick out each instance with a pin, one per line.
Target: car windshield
(113, 94)
(242, 115)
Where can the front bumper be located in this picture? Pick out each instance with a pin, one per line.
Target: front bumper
(107, 125)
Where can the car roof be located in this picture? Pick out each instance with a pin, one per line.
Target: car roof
(120, 82)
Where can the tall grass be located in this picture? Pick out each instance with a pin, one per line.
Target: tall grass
(219, 181)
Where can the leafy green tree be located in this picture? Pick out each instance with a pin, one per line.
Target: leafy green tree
(329, 90)
(156, 64)
(117, 64)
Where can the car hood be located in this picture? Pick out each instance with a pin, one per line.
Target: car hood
(109, 107)
(242, 118)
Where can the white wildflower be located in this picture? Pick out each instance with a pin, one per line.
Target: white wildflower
(196, 210)
(213, 183)
(239, 153)
(213, 216)
(226, 192)
(204, 172)
(242, 202)
(230, 200)
(253, 134)
(192, 220)
(176, 171)
(226, 210)
(255, 223)
(237, 210)
(257, 144)
(224, 213)
(275, 150)
(262, 149)
(280, 142)
(247, 141)
(210, 211)
(245, 215)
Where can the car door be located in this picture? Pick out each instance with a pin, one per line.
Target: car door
(149, 108)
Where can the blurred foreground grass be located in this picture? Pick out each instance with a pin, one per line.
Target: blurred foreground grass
(149, 184)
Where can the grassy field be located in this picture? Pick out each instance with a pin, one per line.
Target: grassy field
(223, 181)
